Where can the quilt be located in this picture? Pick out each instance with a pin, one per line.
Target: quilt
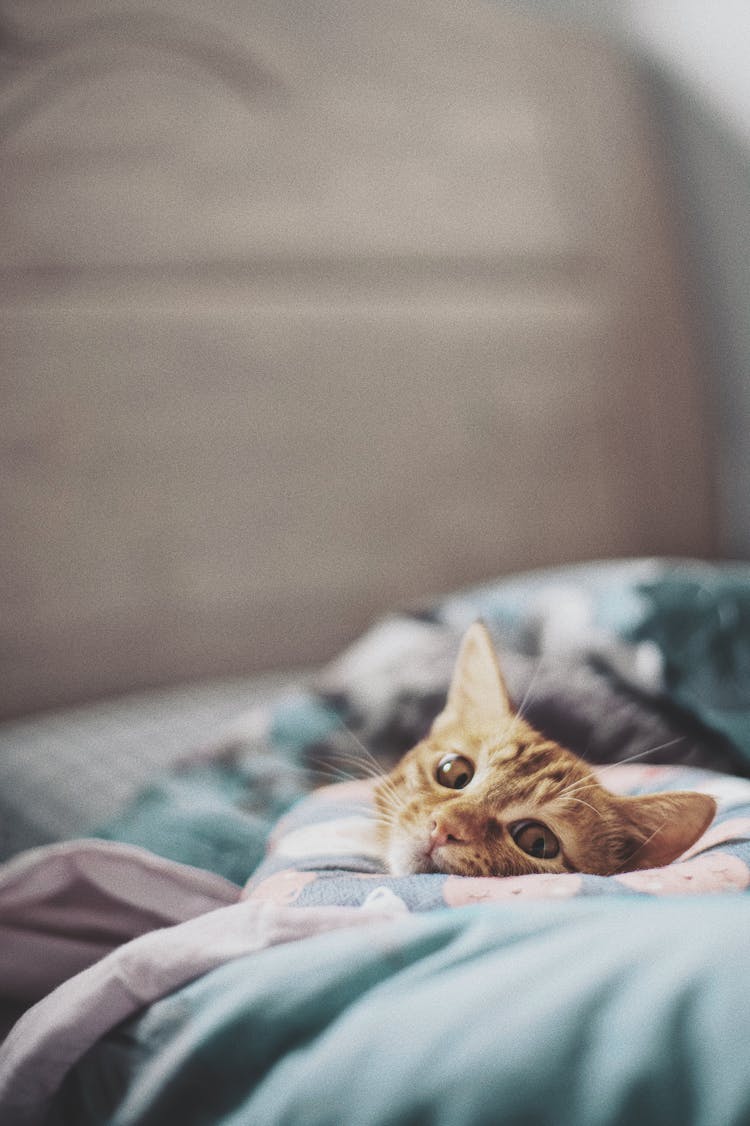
(326, 991)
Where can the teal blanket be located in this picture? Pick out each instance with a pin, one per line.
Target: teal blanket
(582, 1014)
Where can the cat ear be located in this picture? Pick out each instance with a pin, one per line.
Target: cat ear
(477, 696)
(665, 826)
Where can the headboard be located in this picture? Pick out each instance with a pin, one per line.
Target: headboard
(312, 309)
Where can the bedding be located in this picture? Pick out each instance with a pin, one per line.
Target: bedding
(327, 991)
(579, 1014)
(325, 852)
(115, 746)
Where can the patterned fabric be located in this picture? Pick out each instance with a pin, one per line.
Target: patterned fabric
(324, 852)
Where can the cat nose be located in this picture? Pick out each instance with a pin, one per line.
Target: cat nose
(442, 832)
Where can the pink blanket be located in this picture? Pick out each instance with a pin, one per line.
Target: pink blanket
(92, 931)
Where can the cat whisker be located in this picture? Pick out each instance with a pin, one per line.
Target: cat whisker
(331, 774)
(588, 805)
(372, 769)
(579, 788)
(584, 753)
(392, 793)
(385, 784)
(661, 747)
(360, 755)
(622, 762)
(365, 769)
(641, 846)
(520, 710)
(347, 765)
(369, 756)
(572, 769)
(387, 819)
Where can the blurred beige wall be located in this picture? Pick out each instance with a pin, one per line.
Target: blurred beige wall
(313, 309)
(696, 55)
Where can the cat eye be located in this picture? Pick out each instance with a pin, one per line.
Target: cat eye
(535, 839)
(454, 771)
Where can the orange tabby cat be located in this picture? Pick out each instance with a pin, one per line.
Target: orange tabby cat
(484, 794)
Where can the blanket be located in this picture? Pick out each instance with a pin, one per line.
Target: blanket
(325, 851)
(582, 1013)
(174, 998)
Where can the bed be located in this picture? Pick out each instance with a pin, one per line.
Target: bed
(329, 329)
(226, 950)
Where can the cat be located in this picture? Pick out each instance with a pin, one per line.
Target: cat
(484, 794)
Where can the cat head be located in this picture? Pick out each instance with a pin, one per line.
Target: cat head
(484, 794)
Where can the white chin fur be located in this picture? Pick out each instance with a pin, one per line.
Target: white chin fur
(405, 860)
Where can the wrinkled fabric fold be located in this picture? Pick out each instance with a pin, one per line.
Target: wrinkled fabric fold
(51, 1036)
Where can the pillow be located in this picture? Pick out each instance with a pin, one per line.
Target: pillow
(324, 852)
